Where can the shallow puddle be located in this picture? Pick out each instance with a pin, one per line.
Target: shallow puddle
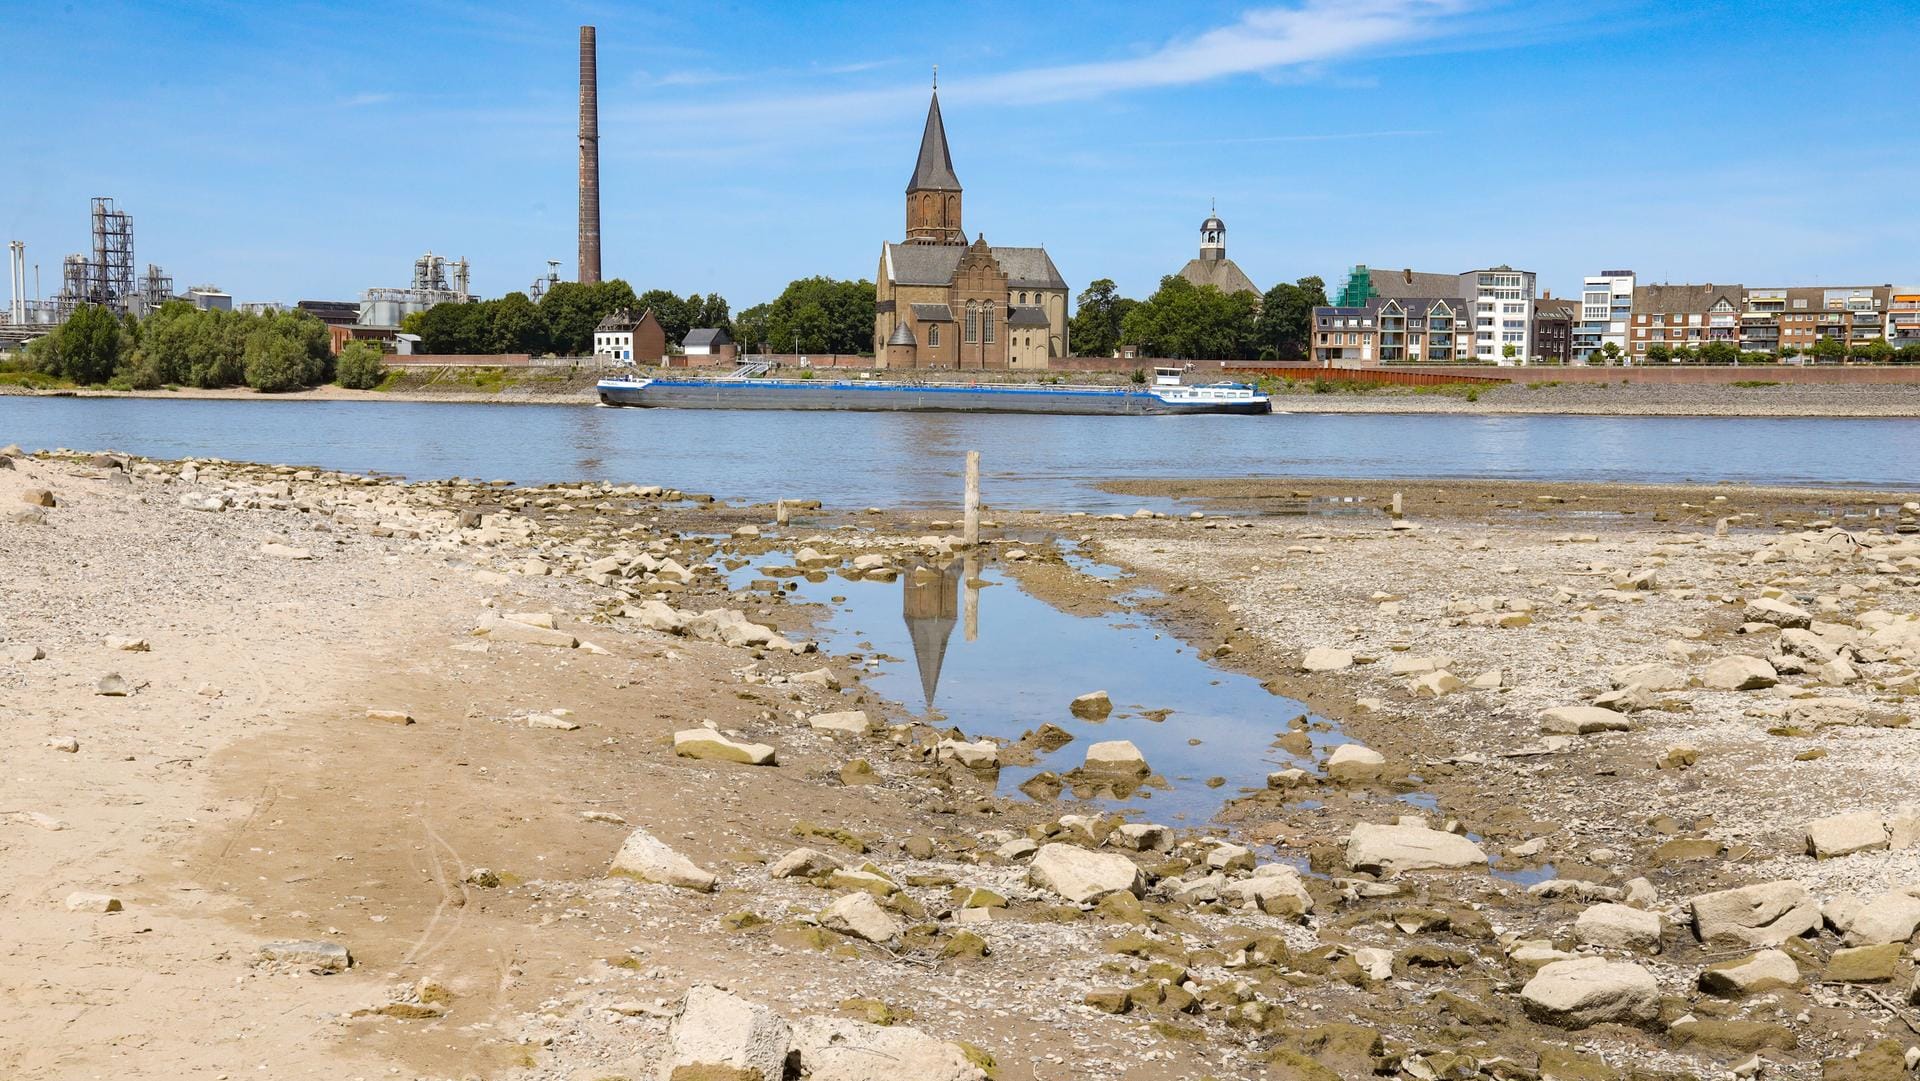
(993, 660)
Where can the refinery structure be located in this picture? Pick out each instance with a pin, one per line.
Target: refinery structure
(105, 273)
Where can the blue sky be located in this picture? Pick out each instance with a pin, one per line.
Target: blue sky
(289, 151)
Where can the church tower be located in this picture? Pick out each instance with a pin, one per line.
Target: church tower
(933, 195)
(1213, 238)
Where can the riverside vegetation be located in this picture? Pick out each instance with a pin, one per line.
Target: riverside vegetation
(462, 779)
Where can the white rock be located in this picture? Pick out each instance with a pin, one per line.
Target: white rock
(1845, 834)
(1351, 762)
(1767, 970)
(1326, 659)
(1092, 705)
(1082, 876)
(722, 1035)
(1142, 837)
(1591, 990)
(819, 677)
(1777, 612)
(709, 745)
(803, 863)
(839, 1049)
(1274, 889)
(1739, 673)
(92, 902)
(981, 754)
(1436, 684)
(1392, 849)
(1619, 927)
(1764, 914)
(853, 722)
(645, 857)
(1116, 756)
(1892, 916)
(283, 551)
(859, 915)
(325, 956)
(1582, 720)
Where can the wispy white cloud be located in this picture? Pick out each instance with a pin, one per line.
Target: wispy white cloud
(1262, 41)
(365, 99)
(1311, 137)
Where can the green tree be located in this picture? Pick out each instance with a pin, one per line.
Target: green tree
(1876, 351)
(358, 367)
(1659, 353)
(274, 362)
(90, 346)
(1828, 351)
(1509, 351)
(1285, 323)
(750, 328)
(1196, 322)
(675, 314)
(514, 326)
(1611, 352)
(1095, 327)
(457, 328)
(1907, 354)
(845, 306)
(572, 310)
(1720, 353)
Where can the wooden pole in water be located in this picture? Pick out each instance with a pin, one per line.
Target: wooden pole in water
(780, 512)
(971, 534)
(970, 596)
(1396, 504)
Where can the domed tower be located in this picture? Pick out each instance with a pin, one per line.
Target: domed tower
(1213, 237)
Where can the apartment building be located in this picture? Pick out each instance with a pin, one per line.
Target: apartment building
(1392, 330)
(1903, 315)
(1684, 317)
(1502, 300)
(1606, 307)
(1795, 318)
(1553, 329)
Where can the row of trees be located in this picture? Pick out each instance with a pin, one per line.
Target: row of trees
(811, 315)
(1198, 321)
(562, 323)
(1824, 351)
(181, 345)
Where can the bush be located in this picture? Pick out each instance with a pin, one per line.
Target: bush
(275, 364)
(1139, 377)
(359, 367)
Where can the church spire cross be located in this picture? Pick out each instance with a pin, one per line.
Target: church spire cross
(936, 76)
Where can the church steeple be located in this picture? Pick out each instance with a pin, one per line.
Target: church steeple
(933, 194)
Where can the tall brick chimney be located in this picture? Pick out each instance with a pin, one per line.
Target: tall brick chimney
(589, 158)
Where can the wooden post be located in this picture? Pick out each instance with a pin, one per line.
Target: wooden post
(970, 597)
(780, 512)
(971, 535)
(1396, 504)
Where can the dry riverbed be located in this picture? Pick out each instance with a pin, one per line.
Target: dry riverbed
(317, 775)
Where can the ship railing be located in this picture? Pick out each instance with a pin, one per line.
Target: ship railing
(752, 369)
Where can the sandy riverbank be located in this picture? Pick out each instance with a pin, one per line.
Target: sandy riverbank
(242, 794)
(1624, 398)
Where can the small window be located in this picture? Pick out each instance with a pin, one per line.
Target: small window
(1023, 298)
(933, 337)
(986, 322)
(973, 322)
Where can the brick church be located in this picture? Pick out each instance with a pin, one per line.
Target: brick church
(942, 302)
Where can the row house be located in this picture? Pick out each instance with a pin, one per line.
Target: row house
(1392, 330)
(1685, 317)
(1554, 327)
(1796, 317)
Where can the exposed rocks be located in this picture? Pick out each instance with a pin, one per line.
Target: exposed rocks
(1591, 990)
(1864, 964)
(709, 745)
(1326, 659)
(1764, 914)
(1384, 849)
(718, 1035)
(389, 716)
(850, 723)
(648, 859)
(112, 685)
(1351, 763)
(1892, 916)
(92, 902)
(1116, 756)
(1777, 612)
(1274, 889)
(838, 1049)
(1845, 834)
(1582, 721)
(980, 754)
(1738, 673)
(860, 916)
(1767, 970)
(803, 863)
(318, 956)
(1093, 706)
(1619, 927)
(1082, 876)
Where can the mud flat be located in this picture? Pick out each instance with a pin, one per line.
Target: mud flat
(338, 776)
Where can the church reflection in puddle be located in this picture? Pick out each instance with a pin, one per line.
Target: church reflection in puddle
(930, 602)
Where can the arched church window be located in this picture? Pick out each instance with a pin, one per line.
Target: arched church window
(973, 322)
(986, 321)
(933, 336)
(1023, 298)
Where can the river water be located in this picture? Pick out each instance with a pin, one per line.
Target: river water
(914, 459)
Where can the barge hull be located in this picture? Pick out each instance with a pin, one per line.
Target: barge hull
(895, 398)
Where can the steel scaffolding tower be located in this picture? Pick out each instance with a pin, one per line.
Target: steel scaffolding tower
(110, 274)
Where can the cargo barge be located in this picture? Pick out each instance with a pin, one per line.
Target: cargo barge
(1167, 395)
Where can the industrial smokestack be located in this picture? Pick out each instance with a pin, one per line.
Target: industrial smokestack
(589, 158)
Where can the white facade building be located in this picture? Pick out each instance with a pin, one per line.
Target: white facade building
(1500, 302)
(1606, 306)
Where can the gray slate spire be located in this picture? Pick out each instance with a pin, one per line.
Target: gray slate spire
(934, 170)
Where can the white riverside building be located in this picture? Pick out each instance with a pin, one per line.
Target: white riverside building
(1501, 311)
(1606, 306)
